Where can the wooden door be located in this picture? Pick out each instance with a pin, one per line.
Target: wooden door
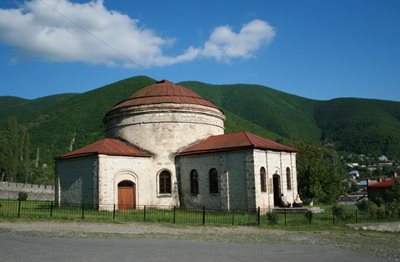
(126, 195)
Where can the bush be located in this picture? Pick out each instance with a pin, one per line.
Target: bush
(379, 202)
(22, 196)
(309, 216)
(337, 211)
(272, 218)
(366, 205)
(379, 212)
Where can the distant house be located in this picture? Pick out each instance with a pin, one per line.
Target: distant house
(376, 191)
(353, 174)
(362, 184)
(383, 158)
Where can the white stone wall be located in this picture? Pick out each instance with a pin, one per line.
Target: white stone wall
(231, 168)
(76, 181)
(164, 129)
(274, 163)
(142, 171)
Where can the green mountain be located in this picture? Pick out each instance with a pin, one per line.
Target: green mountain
(57, 123)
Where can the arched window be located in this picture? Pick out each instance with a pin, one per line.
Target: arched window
(165, 182)
(194, 182)
(263, 181)
(288, 179)
(213, 178)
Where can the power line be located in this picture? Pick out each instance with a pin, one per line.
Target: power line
(99, 39)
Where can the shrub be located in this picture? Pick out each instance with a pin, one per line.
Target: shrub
(22, 196)
(337, 211)
(379, 201)
(380, 212)
(309, 216)
(366, 205)
(272, 218)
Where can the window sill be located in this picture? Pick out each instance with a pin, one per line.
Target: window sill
(164, 195)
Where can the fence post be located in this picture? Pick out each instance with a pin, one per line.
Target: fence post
(204, 215)
(19, 208)
(114, 212)
(333, 218)
(174, 214)
(51, 209)
(258, 216)
(144, 213)
(356, 216)
(233, 217)
(83, 211)
(285, 216)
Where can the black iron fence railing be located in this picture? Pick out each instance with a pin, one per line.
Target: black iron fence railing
(201, 216)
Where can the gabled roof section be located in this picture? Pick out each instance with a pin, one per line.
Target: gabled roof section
(108, 146)
(234, 141)
(164, 92)
(383, 184)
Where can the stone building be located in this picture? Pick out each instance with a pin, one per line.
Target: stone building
(166, 146)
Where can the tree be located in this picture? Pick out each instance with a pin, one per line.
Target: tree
(392, 194)
(321, 176)
(14, 151)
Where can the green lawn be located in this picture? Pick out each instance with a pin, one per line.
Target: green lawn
(45, 210)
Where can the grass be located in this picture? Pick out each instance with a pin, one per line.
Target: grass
(45, 210)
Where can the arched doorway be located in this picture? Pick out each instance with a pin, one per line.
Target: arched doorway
(126, 195)
(277, 189)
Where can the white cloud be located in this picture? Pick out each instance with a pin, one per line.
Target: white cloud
(59, 30)
(224, 44)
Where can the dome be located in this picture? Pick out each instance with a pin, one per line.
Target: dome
(164, 92)
(163, 118)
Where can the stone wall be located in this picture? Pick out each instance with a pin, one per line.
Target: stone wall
(239, 179)
(76, 180)
(164, 129)
(143, 172)
(10, 190)
(231, 167)
(274, 163)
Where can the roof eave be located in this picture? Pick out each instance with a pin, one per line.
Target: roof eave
(96, 154)
(197, 152)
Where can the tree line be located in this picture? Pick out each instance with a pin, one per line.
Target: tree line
(14, 152)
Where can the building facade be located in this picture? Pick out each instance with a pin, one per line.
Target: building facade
(166, 146)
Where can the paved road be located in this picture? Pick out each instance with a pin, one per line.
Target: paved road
(15, 247)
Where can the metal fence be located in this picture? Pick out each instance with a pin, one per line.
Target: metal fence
(201, 216)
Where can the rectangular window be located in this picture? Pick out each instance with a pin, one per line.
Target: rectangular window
(213, 178)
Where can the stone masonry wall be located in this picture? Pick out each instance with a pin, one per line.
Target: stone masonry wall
(10, 190)
(231, 167)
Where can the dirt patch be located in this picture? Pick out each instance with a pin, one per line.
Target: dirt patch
(383, 227)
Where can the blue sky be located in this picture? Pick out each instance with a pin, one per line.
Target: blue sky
(319, 49)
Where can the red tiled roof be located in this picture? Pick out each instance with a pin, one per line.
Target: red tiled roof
(234, 141)
(108, 146)
(164, 92)
(386, 183)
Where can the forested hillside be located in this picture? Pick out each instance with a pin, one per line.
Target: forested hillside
(58, 123)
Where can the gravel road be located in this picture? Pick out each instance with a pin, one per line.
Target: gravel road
(365, 245)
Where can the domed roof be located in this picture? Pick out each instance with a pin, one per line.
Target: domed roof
(164, 92)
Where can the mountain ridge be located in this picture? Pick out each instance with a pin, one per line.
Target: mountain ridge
(57, 123)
